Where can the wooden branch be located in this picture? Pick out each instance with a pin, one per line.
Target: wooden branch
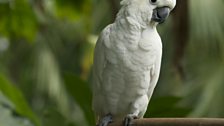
(174, 122)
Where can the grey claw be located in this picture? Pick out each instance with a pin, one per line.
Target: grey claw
(128, 119)
(105, 120)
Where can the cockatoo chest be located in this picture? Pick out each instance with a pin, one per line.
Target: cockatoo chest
(141, 53)
(134, 50)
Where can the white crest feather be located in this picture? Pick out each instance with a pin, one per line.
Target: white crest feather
(125, 2)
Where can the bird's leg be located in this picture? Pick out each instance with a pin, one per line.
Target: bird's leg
(129, 118)
(105, 120)
(137, 109)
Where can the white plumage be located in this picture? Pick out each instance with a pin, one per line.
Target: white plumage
(127, 60)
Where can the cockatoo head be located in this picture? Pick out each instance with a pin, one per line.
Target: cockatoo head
(147, 12)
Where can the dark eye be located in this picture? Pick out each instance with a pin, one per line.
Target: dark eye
(153, 1)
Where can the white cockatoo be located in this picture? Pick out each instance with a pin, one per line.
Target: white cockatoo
(127, 61)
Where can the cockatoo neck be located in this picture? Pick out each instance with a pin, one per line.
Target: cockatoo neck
(129, 23)
(131, 16)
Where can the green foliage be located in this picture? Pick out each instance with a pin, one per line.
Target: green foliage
(166, 107)
(63, 32)
(75, 4)
(8, 116)
(204, 59)
(73, 10)
(81, 93)
(18, 20)
(16, 97)
(54, 118)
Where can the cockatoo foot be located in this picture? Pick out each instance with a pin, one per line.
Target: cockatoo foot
(105, 120)
(128, 119)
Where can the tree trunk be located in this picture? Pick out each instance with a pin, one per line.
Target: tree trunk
(181, 30)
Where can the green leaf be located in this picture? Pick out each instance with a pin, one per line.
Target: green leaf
(17, 98)
(8, 116)
(77, 5)
(73, 10)
(54, 118)
(19, 20)
(81, 93)
(166, 107)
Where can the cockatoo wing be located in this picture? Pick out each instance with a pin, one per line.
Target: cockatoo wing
(154, 75)
(100, 61)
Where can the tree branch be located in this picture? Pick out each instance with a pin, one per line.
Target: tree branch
(174, 122)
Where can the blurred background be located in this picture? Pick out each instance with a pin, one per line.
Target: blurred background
(46, 52)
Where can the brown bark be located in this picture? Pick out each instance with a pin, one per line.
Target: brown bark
(181, 30)
(174, 122)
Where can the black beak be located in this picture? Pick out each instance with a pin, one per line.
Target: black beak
(160, 14)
